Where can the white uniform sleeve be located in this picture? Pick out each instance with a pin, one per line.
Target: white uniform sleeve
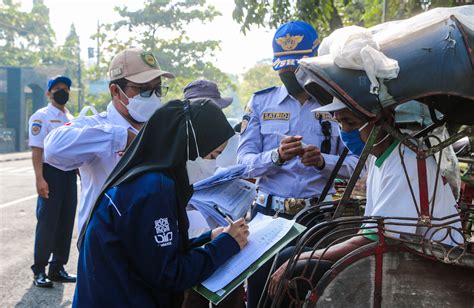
(347, 167)
(37, 130)
(81, 141)
(250, 151)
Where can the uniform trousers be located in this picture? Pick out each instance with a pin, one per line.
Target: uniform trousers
(55, 217)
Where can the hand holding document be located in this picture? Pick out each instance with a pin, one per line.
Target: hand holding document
(304, 145)
(232, 197)
(267, 237)
(222, 175)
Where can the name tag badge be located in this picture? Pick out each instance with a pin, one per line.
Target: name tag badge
(55, 121)
(268, 116)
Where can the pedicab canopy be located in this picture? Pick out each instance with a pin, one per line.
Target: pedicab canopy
(428, 58)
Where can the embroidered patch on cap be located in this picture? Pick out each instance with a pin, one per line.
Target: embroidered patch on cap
(267, 116)
(116, 72)
(289, 42)
(149, 59)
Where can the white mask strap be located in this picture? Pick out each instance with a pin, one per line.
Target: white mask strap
(122, 92)
(190, 123)
(363, 126)
(383, 139)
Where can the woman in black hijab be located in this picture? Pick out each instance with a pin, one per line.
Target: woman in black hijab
(135, 250)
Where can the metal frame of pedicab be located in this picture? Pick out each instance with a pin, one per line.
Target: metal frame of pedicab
(337, 228)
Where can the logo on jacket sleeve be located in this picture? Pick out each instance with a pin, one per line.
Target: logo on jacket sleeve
(163, 236)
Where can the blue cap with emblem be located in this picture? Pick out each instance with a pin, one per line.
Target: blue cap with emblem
(292, 41)
(55, 80)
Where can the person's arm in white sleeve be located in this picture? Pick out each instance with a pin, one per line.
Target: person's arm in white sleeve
(80, 141)
(36, 133)
(348, 165)
(250, 151)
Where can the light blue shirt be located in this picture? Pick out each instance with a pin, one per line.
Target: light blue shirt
(272, 110)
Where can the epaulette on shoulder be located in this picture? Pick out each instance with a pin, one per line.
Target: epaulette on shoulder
(265, 90)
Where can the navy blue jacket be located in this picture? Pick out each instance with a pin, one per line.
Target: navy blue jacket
(130, 255)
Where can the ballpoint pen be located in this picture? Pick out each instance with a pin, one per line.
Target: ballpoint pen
(226, 217)
(284, 136)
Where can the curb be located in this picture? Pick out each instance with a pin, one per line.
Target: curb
(14, 157)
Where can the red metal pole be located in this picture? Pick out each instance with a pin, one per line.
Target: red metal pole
(423, 187)
(379, 251)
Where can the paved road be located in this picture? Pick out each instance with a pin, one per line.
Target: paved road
(17, 229)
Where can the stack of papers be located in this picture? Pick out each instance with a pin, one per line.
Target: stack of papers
(233, 198)
(222, 175)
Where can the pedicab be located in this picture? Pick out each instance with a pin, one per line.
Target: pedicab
(435, 54)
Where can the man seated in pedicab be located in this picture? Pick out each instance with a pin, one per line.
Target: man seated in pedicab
(388, 195)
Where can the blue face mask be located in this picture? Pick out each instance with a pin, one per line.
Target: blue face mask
(352, 140)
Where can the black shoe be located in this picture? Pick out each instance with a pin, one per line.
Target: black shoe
(42, 281)
(62, 276)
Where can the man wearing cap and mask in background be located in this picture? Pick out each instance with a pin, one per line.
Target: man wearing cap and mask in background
(290, 149)
(202, 88)
(95, 144)
(57, 190)
(208, 89)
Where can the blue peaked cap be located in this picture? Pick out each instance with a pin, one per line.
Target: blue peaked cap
(292, 41)
(55, 80)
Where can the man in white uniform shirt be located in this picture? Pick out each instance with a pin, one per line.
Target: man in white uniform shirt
(57, 190)
(95, 144)
(388, 191)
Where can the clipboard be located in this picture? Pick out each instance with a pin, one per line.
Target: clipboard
(218, 296)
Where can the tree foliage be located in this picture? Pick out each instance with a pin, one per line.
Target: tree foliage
(326, 15)
(258, 77)
(160, 27)
(26, 38)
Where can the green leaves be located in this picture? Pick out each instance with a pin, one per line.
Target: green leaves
(26, 38)
(325, 15)
(159, 26)
(258, 77)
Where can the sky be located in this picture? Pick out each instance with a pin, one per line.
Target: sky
(238, 52)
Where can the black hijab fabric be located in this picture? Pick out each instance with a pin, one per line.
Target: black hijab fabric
(162, 146)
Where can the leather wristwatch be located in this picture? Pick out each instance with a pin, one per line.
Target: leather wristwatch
(275, 156)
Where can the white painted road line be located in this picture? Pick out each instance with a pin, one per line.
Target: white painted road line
(7, 169)
(5, 205)
(24, 169)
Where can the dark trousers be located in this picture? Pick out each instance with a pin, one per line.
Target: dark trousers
(256, 282)
(55, 220)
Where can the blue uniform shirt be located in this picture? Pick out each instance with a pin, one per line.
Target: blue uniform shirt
(272, 110)
(130, 255)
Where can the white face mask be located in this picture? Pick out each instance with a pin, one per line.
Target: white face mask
(200, 168)
(228, 157)
(142, 108)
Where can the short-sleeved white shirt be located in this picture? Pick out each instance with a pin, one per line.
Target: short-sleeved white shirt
(43, 121)
(92, 144)
(388, 192)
